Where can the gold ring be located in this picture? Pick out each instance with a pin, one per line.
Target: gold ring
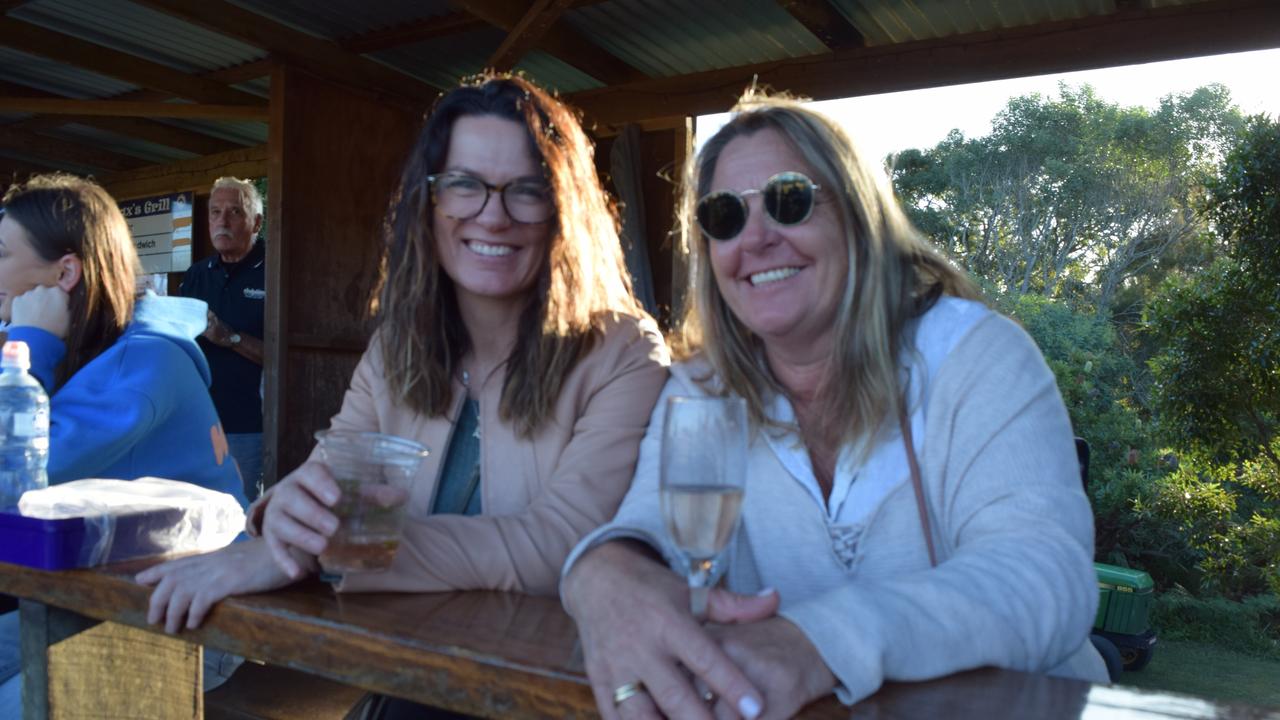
(626, 690)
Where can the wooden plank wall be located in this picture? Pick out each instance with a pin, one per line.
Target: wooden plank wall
(335, 154)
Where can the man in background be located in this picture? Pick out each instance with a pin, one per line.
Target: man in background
(232, 282)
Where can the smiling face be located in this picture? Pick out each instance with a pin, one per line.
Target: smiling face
(231, 229)
(783, 283)
(490, 257)
(21, 267)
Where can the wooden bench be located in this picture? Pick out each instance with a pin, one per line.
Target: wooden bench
(270, 692)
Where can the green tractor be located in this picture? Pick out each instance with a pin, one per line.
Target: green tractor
(1122, 630)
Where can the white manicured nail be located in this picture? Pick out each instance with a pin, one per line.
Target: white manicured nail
(749, 707)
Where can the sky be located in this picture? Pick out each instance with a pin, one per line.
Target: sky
(892, 122)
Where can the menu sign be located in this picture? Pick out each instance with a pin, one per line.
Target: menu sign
(161, 229)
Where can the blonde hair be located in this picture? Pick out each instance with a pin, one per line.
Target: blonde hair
(583, 279)
(895, 275)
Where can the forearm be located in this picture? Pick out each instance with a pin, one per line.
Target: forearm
(249, 347)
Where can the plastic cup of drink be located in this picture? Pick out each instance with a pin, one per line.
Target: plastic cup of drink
(375, 474)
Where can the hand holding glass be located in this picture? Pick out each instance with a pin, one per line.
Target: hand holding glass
(704, 452)
(375, 473)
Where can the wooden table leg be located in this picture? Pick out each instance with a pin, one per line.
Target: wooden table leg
(73, 667)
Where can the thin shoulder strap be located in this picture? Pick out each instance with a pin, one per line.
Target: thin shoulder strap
(917, 485)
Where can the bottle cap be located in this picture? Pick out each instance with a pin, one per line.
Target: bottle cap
(16, 354)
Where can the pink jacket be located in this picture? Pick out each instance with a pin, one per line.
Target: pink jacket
(539, 496)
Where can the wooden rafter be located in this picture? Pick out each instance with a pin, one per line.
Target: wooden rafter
(537, 20)
(31, 144)
(197, 173)
(1211, 27)
(122, 108)
(559, 40)
(154, 132)
(113, 63)
(323, 57)
(825, 22)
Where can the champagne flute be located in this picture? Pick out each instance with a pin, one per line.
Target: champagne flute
(704, 450)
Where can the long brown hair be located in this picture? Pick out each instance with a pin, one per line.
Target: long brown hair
(583, 279)
(66, 214)
(895, 275)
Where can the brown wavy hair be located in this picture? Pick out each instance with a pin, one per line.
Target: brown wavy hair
(895, 275)
(583, 279)
(66, 214)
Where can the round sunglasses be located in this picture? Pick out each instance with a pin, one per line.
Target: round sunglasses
(788, 200)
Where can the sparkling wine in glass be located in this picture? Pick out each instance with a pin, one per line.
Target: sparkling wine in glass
(704, 450)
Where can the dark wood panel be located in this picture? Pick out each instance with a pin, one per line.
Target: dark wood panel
(316, 382)
(336, 155)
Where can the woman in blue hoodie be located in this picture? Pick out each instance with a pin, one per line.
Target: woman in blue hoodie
(128, 386)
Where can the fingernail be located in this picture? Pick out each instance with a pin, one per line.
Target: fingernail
(749, 707)
(766, 592)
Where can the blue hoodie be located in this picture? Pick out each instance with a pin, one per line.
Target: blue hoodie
(142, 407)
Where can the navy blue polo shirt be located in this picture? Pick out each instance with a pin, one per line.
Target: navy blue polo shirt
(236, 293)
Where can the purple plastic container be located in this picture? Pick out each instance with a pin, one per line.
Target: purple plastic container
(72, 543)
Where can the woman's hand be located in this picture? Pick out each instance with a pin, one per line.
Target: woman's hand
(635, 626)
(297, 516)
(43, 307)
(188, 587)
(779, 659)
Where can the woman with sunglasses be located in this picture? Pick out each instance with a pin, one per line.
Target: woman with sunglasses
(912, 504)
(509, 344)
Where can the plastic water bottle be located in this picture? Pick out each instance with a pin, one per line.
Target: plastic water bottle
(24, 426)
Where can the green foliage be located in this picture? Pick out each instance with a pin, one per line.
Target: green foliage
(1093, 372)
(1217, 380)
(1071, 197)
(1251, 626)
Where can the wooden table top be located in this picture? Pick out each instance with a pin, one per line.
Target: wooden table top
(511, 655)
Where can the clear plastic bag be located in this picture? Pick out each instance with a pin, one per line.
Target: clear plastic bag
(126, 519)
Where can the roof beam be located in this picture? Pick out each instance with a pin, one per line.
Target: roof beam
(195, 174)
(825, 22)
(63, 48)
(124, 108)
(158, 133)
(539, 18)
(1139, 36)
(323, 57)
(63, 151)
(559, 40)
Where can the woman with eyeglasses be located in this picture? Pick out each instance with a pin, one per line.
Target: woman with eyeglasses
(509, 344)
(912, 504)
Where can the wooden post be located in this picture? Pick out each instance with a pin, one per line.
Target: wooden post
(76, 667)
(683, 149)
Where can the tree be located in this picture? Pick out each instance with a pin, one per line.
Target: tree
(1217, 379)
(1070, 197)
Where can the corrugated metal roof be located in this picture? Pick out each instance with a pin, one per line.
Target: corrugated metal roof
(148, 151)
(58, 78)
(664, 37)
(245, 132)
(140, 31)
(884, 22)
(443, 61)
(335, 19)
